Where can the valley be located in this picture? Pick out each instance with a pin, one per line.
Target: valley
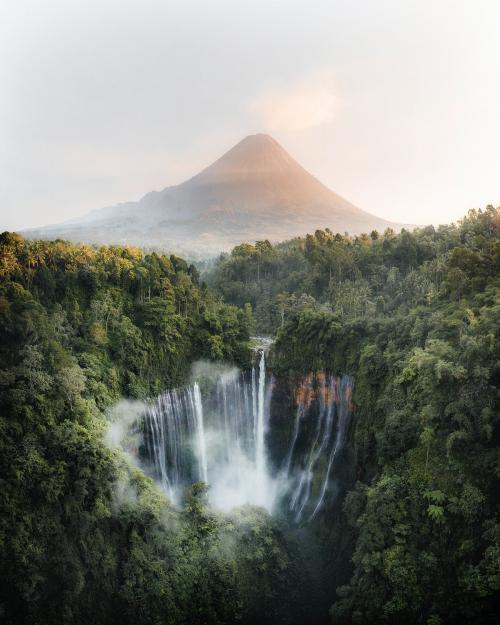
(341, 468)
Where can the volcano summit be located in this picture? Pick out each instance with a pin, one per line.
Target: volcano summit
(255, 191)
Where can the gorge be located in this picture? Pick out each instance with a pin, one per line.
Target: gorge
(231, 437)
(345, 473)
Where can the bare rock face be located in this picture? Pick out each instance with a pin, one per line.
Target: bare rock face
(255, 191)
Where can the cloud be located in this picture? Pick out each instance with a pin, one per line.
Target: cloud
(302, 105)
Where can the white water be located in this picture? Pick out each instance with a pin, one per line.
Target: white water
(200, 428)
(332, 396)
(343, 422)
(302, 493)
(298, 416)
(219, 440)
(219, 437)
(260, 461)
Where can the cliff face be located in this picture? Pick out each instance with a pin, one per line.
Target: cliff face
(254, 191)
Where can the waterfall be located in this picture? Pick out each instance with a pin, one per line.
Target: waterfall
(170, 424)
(217, 434)
(303, 395)
(332, 398)
(326, 399)
(259, 449)
(288, 460)
(202, 444)
(344, 415)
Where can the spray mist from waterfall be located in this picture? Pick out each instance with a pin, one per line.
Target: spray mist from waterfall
(219, 438)
(215, 430)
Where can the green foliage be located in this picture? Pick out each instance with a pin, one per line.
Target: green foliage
(141, 317)
(426, 434)
(415, 319)
(84, 538)
(360, 276)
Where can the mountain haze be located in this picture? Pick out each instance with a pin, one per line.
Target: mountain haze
(255, 191)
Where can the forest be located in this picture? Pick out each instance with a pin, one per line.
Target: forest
(414, 537)
(415, 318)
(84, 536)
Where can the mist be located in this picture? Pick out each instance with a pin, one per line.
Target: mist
(170, 437)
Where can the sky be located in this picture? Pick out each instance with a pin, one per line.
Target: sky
(393, 104)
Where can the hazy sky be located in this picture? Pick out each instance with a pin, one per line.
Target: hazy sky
(394, 104)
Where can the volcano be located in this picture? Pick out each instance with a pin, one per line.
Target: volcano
(255, 191)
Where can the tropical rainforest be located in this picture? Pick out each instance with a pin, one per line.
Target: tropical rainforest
(413, 535)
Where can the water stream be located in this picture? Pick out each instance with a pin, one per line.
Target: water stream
(219, 436)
